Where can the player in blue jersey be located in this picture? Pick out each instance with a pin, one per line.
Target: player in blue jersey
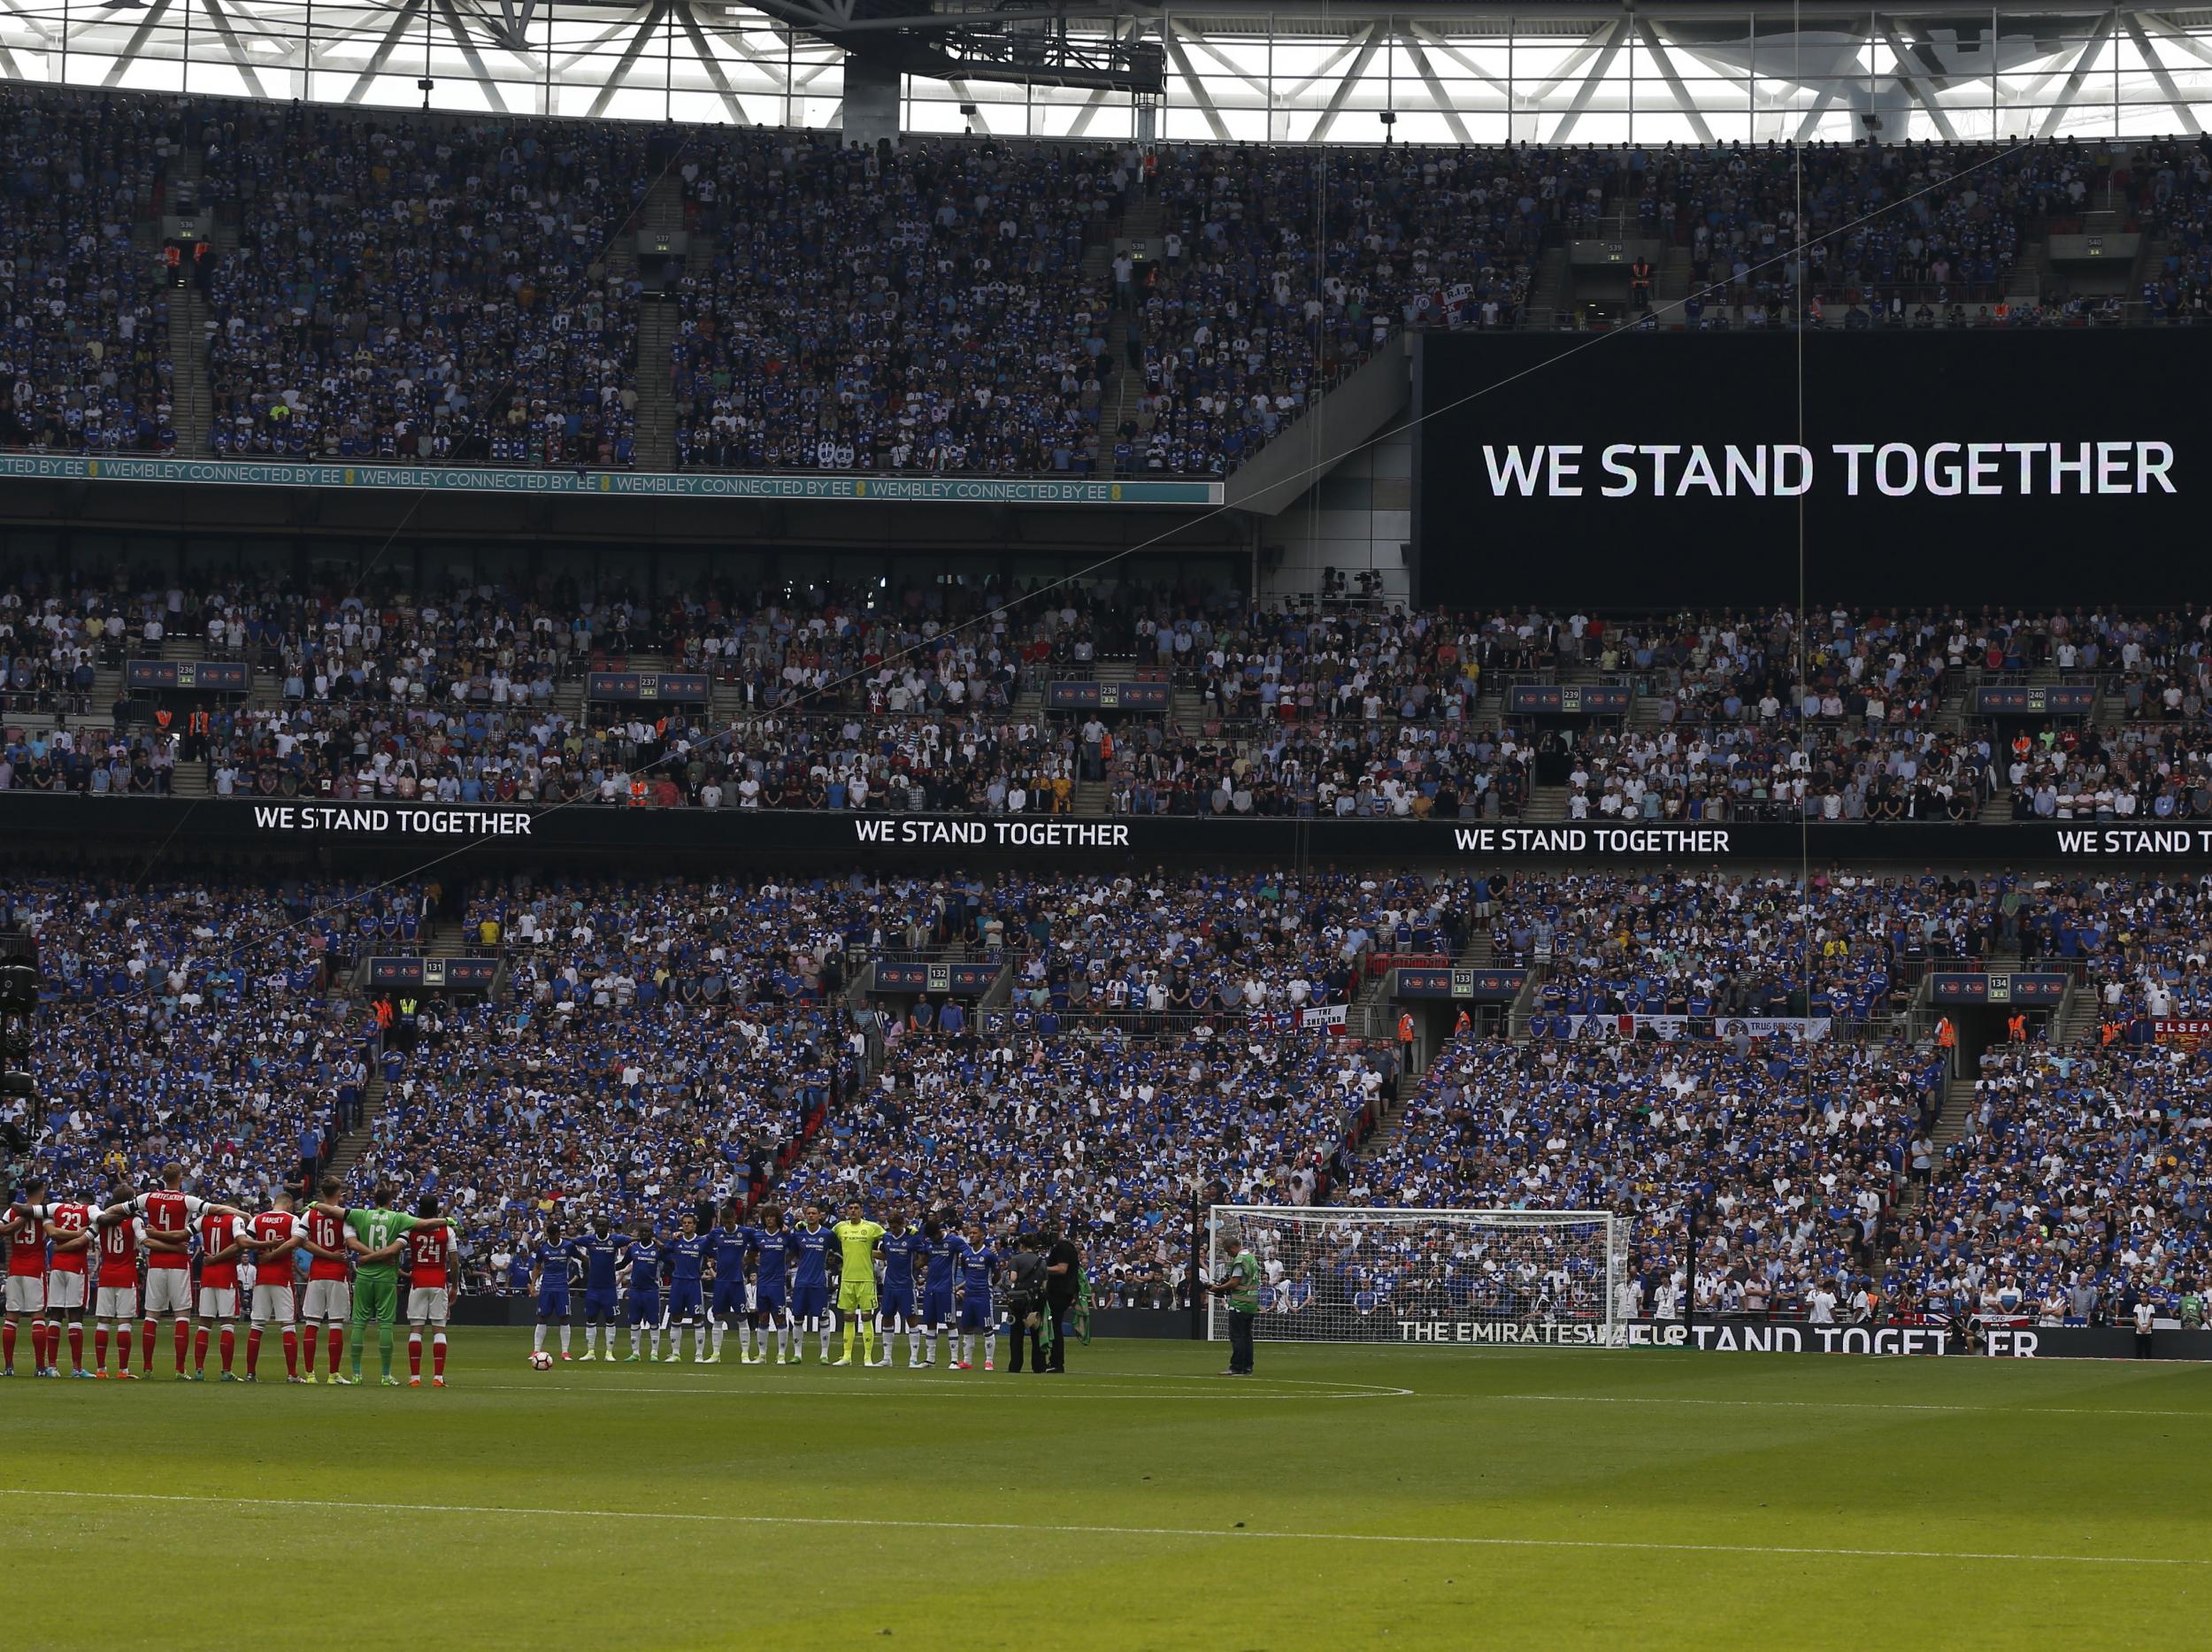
(601, 1251)
(772, 1251)
(812, 1244)
(978, 1323)
(685, 1258)
(942, 1249)
(901, 1247)
(549, 1261)
(641, 1262)
(727, 1248)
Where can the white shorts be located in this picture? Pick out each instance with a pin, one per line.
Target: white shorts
(273, 1303)
(26, 1294)
(116, 1301)
(426, 1307)
(65, 1290)
(329, 1300)
(168, 1291)
(219, 1302)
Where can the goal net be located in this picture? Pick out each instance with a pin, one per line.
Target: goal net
(1336, 1274)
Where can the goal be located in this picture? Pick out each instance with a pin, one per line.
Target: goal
(1346, 1274)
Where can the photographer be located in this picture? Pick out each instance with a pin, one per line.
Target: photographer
(1064, 1276)
(1025, 1301)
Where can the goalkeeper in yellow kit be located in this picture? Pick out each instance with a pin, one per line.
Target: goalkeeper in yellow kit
(856, 1280)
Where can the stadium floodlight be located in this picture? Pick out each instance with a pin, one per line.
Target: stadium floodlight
(1465, 1278)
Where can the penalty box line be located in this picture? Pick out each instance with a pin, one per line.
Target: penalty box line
(1179, 1533)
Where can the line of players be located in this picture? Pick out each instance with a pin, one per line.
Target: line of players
(247, 1267)
(776, 1282)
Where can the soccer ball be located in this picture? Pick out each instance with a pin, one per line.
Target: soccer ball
(540, 1361)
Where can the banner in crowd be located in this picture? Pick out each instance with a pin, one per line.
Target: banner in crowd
(2183, 1033)
(1762, 1336)
(679, 687)
(1323, 1017)
(2036, 700)
(1998, 986)
(892, 489)
(1482, 986)
(1552, 699)
(204, 676)
(1109, 696)
(951, 980)
(258, 822)
(434, 974)
(1809, 1029)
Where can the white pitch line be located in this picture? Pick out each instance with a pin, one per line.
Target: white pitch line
(1018, 1528)
(1835, 1405)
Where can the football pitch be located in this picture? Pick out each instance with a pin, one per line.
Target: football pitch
(1343, 1497)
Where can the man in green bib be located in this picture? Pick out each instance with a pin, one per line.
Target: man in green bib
(1240, 1284)
(382, 1233)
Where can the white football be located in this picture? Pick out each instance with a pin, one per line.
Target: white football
(540, 1361)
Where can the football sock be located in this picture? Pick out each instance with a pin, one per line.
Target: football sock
(229, 1342)
(718, 1331)
(7, 1343)
(849, 1340)
(199, 1348)
(76, 1344)
(867, 1341)
(253, 1351)
(292, 1351)
(437, 1354)
(565, 1336)
(309, 1338)
(414, 1353)
(537, 1338)
(699, 1342)
(384, 1347)
(181, 1336)
(146, 1355)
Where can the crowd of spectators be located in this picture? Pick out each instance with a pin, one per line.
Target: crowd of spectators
(942, 306)
(663, 1044)
(1793, 1151)
(2083, 1183)
(84, 325)
(421, 289)
(205, 1022)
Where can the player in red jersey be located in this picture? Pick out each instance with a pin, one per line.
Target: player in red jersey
(115, 1287)
(169, 1214)
(433, 1282)
(274, 1235)
(69, 1226)
(26, 1301)
(329, 1297)
(222, 1244)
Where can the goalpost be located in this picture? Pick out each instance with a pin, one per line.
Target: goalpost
(1344, 1274)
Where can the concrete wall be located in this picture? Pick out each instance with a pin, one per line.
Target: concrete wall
(1359, 515)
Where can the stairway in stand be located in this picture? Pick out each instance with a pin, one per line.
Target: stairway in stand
(1121, 385)
(351, 1145)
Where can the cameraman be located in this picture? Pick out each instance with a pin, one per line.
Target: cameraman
(1025, 1301)
(1064, 1276)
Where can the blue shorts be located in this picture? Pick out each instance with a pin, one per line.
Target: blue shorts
(645, 1307)
(900, 1303)
(810, 1301)
(975, 1314)
(769, 1305)
(599, 1304)
(553, 1302)
(683, 1299)
(729, 1297)
(937, 1307)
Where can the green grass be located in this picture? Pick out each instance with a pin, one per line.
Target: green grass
(1565, 1498)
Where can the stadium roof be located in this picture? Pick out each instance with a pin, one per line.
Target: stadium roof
(1226, 70)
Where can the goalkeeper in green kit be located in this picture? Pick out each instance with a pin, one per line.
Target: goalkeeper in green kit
(383, 1232)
